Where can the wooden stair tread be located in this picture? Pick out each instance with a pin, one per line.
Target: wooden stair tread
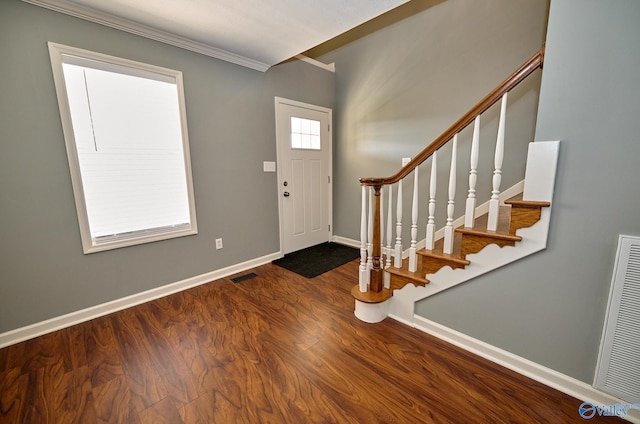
(517, 201)
(438, 251)
(371, 297)
(502, 232)
(403, 272)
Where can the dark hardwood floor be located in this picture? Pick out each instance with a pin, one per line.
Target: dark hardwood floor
(276, 348)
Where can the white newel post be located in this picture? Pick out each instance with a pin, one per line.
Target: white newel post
(431, 222)
(470, 209)
(397, 254)
(448, 229)
(370, 234)
(494, 202)
(389, 250)
(363, 278)
(413, 256)
(382, 256)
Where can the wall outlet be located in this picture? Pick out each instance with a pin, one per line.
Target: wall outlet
(218, 244)
(405, 161)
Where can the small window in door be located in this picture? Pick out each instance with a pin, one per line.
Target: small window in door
(305, 134)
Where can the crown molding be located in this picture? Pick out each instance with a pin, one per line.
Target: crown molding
(112, 21)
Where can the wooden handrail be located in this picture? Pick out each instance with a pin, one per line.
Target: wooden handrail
(531, 65)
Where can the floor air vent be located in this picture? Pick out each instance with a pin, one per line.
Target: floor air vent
(244, 277)
(618, 369)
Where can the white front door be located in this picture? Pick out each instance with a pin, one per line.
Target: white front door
(303, 135)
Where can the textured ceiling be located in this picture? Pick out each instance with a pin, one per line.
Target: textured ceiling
(253, 33)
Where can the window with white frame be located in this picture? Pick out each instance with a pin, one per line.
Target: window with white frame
(305, 133)
(125, 130)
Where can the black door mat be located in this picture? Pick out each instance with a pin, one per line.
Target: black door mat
(316, 260)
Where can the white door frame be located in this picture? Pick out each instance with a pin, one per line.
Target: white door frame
(281, 100)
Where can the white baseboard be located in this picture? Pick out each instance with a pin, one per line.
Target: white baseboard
(535, 371)
(38, 329)
(346, 241)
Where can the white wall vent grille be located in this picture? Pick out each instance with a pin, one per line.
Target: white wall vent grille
(618, 369)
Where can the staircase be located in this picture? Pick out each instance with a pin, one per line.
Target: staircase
(510, 225)
(518, 214)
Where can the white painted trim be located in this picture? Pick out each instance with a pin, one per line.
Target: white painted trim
(371, 312)
(533, 370)
(402, 320)
(281, 101)
(38, 329)
(109, 20)
(346, 241)
(331, 67)
(540, 175)
(61, 54)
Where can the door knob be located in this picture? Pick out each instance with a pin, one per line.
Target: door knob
(286, 194)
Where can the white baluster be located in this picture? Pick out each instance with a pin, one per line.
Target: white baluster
(363, 280)
(431, 223)
(413, 256)
(397, 256)
(370, 232)
(494, 202)
(448, 229)
(470, 209)
(389, 250)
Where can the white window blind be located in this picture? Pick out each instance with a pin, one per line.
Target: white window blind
(125, 131)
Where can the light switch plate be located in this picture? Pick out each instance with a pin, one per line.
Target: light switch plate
(269, 166)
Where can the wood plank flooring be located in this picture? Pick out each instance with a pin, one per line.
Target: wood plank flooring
(276, 348)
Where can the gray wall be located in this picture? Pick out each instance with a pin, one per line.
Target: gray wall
(230, 113)
(401, 86)
(550, 307)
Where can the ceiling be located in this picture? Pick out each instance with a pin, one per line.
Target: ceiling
(253, 33)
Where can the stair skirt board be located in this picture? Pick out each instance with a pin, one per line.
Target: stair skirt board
(534, 239)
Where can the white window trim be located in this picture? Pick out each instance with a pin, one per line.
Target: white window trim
(90, 245)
